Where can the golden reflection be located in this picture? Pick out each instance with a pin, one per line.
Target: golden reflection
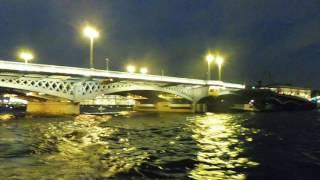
(221, 142)
(87, 144)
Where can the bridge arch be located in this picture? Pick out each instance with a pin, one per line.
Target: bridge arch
(131, 87)
(52, 87)
(77, 90)
(22, 95)
(82, 90)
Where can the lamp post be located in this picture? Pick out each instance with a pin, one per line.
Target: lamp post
(91, 33)
(219, 62)
(107, 64)
(209, 59)
(26, 56)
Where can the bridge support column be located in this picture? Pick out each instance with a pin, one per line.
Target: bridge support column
(199, 108)
(194, 108)
(50, 108)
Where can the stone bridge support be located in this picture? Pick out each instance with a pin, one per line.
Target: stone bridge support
(51, 108)
(197, 94)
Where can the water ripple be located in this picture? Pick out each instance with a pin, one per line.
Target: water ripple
(162, 146)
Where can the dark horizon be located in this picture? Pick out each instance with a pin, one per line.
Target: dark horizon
(276, 42)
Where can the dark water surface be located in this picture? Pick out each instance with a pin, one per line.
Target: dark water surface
(163, 146)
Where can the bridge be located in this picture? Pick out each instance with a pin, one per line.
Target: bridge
(62, 88)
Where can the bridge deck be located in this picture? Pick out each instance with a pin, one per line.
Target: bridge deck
(75, 71)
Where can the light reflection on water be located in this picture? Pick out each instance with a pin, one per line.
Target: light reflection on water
(68, 150)
(222, 144)
(165, 146)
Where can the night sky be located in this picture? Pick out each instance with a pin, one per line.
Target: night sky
(276, 41)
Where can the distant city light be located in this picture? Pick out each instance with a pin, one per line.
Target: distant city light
(251, 102)
(29, 93)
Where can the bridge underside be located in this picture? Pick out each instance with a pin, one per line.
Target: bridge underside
(47, 91)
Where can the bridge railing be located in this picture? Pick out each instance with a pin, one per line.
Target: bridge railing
(65, 70)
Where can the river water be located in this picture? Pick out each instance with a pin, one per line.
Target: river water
(282, 145)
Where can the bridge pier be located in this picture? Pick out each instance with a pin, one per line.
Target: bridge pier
(50, 108)
(199, 108)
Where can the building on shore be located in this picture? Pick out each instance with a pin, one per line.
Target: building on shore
(290, 90)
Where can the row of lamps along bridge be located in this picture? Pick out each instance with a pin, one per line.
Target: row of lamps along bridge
(92, 34)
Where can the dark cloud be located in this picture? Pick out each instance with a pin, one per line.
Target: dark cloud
(275, 41)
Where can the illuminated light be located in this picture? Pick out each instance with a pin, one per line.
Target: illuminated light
(18, 101)
(29, 94)
(26, 56)
(9, 95)
(209, 58)
(131, 69)
(219, 60)
(90, 32)
(143, 70)
(232, 85)
(251, 102)
(131, 101)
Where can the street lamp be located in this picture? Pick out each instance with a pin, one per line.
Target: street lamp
(91, 33)
(143, 70)
(219, 62)
(131, 69)
(209, 59)
(107, 64)
(26, 56)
